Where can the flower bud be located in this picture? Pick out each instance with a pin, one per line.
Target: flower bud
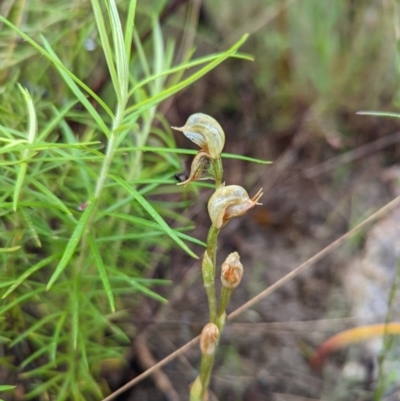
(199, 164)
(209, 338)
(228, 202)
(232, 271)
(205, 132)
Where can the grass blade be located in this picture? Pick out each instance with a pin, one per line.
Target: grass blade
(72, 243)
(153, 213)
(102, 272)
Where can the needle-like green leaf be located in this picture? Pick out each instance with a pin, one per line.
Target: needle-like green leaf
(32, 131)
(184, 67)
(31, 226)
(55, 341)
(42, 388)
(146, 223)
(58, 63)
(20, 299)
(5, 387)
(190, 152)
(108, 53)
(11, 249)
(378, 113)
(154, 100)
(153, 213)
(34, 356)
(29, 272)
(34, 327)
(50, 195)
(72, 243)
(102, 271)
(76, 90)
(130, 23)
(121, 62)
(75, 309)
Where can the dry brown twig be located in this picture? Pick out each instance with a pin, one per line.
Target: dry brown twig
(285, 279)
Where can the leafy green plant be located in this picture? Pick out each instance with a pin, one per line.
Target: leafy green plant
(79, 213)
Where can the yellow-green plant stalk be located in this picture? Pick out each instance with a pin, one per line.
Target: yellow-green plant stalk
(226, 203)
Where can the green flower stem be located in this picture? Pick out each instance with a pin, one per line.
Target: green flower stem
(207, 362)
(212, 245)
(223, 303)
(218, 172)
(208, 269)
(221, 319)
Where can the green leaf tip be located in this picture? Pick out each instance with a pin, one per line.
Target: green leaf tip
(378, 113)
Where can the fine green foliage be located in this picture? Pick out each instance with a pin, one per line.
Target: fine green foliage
(82, 164)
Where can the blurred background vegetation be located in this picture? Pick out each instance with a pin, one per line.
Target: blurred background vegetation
(316, 63)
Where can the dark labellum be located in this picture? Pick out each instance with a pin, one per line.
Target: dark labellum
(181, 177)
